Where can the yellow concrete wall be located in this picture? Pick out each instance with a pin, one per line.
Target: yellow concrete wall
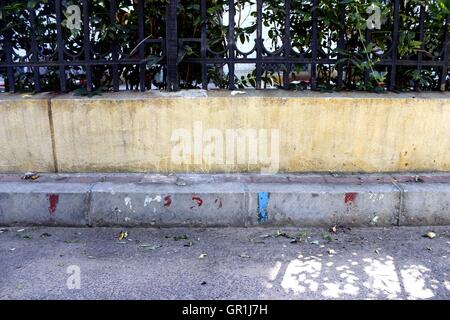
(318, 132)
(25, 135)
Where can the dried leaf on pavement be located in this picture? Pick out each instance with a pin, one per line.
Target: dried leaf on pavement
(282, 234)
(123, 235)
(150, 246)
(430, 235)
(72, 241)
(327, 237)
(177, 238)
(253, 240)
(30, 176)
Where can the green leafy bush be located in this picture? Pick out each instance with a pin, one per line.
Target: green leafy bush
(358, 58)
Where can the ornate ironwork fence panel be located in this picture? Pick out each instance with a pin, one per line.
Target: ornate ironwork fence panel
(62, 45)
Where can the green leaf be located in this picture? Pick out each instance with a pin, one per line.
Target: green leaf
(152, 60)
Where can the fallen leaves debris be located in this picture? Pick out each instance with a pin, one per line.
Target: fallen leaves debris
(430, 235)
(282, 234)
(293, 238)
(253, 240)
(123, 235)
(150, 246)
(177, 238)
(302, 234)
(30, 176)
(327, 237)
(72, 241)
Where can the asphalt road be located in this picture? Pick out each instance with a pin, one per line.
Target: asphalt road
(225, 263)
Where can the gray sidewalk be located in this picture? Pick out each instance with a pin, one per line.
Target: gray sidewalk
(236, 200)
(225, 263)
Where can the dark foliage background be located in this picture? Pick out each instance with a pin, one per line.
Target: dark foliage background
(358, 58)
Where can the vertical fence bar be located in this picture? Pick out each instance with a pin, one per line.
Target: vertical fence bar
(314, 44)
(422, 46)
(204, 43)
(34, 50)
(141, 32)
(258, 43)
(366, 71)
(87, 45)
(231, 44)
(341, 44)
(393, 69)
(287, 42)
(60, 40)
(443, 78)
(8, 52)
(172, 45)
(115, 69)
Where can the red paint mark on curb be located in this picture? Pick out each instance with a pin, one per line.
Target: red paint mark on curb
(53, 200)
(199, 200)
(220, 203)
(167, 201)
(350, 197)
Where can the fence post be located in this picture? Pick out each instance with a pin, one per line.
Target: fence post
(443, 78)
(8, 51)
(172, 45)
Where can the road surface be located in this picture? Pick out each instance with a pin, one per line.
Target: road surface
(224, 263)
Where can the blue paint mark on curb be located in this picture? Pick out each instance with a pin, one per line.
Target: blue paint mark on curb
(263, 202)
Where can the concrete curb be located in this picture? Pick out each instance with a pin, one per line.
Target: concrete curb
(225, 200)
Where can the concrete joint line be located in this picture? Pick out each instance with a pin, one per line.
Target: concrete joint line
(401, 205)
(246, 205)
(88, 205)
(52, 133)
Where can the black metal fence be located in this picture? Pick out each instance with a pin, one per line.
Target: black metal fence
(284, 60)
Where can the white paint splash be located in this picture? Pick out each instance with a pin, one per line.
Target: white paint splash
(128, 203)
(148, 200)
